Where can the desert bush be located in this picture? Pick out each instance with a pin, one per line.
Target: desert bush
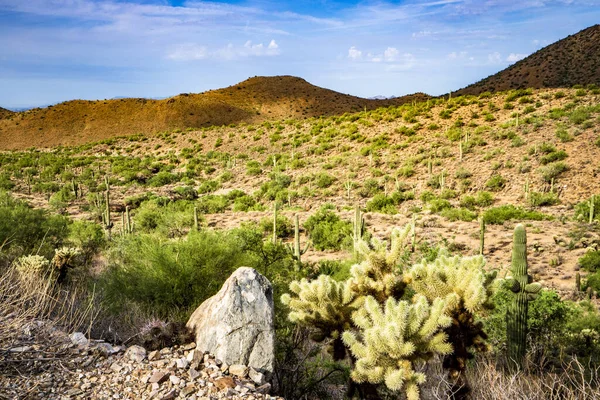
(590, 261)
(499, 215)
(324, 180)
(208, 186)
(553, 171)
(283, 224)
(25, 230)
(370, 188)
(496, 183)
(162, 178)
(383, 204)
(553, 156)
(481, 199)
(537, 199)
(327, 231)
(458, 214)
(171, 219)
(212, 204)
(169, 278)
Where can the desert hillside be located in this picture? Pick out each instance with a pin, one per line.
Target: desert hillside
(574, 60)
(251, 101)
(4, 113)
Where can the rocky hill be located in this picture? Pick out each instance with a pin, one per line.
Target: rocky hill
(4, 113)
(252, 101)
(574, 60)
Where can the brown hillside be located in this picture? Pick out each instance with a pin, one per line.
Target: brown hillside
(4, 113)
(251, 101)
(571, 61)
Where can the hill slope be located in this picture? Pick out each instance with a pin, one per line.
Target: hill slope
(570, 61)
(4, 113)
(252, 101)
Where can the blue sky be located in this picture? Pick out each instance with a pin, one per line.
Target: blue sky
(56, 50)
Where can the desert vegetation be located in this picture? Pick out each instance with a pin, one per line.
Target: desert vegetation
(387, 234)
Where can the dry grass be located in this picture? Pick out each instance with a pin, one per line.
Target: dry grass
(490, 380)
(25, 301)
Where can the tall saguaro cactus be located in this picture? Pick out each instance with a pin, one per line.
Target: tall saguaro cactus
(524, 291)
(481, 235)
(358, 227)
(108, 223)
(296, 251)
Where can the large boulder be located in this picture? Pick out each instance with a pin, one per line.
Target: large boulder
(236, 324)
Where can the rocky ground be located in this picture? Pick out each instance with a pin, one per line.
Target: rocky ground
(45, 363)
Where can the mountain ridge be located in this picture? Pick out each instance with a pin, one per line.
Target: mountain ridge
(573, 60)
(254, 100)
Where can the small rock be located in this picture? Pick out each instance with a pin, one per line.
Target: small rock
(170, 395)
(154, 355)
(189, 346)
(158, 377)
(182, 363)
(193, 374)
(174, 380)
(238, 370)
(79, 339)
(136, 353)
(189, 389)
(225, 382)
(257, 377)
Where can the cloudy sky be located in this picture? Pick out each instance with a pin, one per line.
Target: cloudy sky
(56, 50)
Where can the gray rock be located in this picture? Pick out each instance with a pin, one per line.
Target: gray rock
(136, 353)
(79, 339)
(257, 377)
(236, 324)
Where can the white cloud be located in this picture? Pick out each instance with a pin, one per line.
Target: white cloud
(188, 51)
(514, 57)
(494, 58)
(391, 54)
(354, 53)
(457, 55)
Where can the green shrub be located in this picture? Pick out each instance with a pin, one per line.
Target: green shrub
(162, 178)
(437, 205)
(185, 193)
(563, 135)
(212, 204)
(553, 156)
(283, 224)
(383, 204)
(370, 188)
(25, 230)
(327, 231)
(324, 180)
(590, 261)
(553, 170)
(458, 214)
(170, 219)
(208, 187)
(170, 277)
(593, 281)
(537, 199)
(245, 203)
(495, 183)
(498, 215)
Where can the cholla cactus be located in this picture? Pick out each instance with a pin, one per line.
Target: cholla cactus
(32, 266)
(378, 275)
(64, 259)
(392, 339)
(324, 304)
(463, 277)
(467, 289)
(385, 331)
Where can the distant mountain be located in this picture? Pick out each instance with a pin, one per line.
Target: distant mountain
(570, 61)
(252, 101)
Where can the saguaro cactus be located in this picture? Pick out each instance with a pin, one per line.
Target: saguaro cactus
(592, 200)
(296, 251)
(524, 291)
(359, 227)
(274, 222)
(481, 235)
(108, 224)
